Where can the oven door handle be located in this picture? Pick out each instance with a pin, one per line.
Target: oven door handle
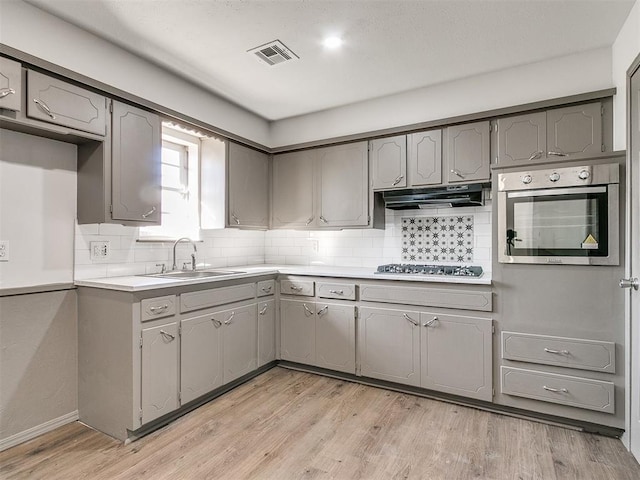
(556, 191)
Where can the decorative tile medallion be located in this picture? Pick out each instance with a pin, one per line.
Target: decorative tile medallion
(437, 239)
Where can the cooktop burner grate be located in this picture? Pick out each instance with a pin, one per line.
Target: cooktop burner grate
(410, 269)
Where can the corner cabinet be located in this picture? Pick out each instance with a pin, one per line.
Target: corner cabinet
(322, 188)
(119, 179)
(247, 187)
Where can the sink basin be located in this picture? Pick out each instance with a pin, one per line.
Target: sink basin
(191, 274)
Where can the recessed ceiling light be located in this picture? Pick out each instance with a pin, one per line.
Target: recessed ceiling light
(332, 42)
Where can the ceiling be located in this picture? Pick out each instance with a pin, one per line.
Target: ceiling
(389, 46)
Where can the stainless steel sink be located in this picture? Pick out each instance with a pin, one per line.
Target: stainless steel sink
(191, 274)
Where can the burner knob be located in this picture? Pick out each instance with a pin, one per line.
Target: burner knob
(527, 179)
(584, 174)
(554, 177)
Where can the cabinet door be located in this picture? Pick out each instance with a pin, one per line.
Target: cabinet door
(574, 130)
(59, 102)
(468, 152)
(136, 157)
(389, 345)
(297, 331)
(343, 185)
(389, 162)
(200, 356)
(456, 355)
(293, 192)
(10, 84)
(240, 342)
(159, 394)
(248, 187)
(522, 138)
(424, 163)
(336, 337)
(266, 332)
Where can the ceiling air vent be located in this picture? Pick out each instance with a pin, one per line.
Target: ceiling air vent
(274, 53)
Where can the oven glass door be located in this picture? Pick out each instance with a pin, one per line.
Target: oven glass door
(562, 222)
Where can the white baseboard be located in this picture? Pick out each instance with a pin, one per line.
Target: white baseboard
(38, 430)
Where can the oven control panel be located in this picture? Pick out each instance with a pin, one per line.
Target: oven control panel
(560, 177)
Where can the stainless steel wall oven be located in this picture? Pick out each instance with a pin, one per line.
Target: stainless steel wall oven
(567, 215)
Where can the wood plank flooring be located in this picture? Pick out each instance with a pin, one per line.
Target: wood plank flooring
(291, 425)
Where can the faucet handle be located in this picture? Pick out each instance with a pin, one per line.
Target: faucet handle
(163, 267)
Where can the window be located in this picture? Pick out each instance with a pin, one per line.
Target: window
(180, 216)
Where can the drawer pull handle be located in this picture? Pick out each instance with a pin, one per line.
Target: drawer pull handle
(308, 222)
(323, 220)
(337, 292)
(43, 106)
(557, 352)
(555, 390)
(264, 310)
(266, 289)
(145, 215)
(323, 310)
(235, 219)
(536, 155)
(397, 180)
(457, 173)
(295, 288)
(558, 154)
(216, 323)
(307, 312)
(431, 322)
(409, 319)
(7, 91)
(228, 320)
(157, 310)
(168, 335)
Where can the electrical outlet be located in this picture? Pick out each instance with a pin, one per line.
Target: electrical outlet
(4, 250)
(99, 250)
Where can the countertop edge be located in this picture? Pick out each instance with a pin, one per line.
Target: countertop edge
(50, 287)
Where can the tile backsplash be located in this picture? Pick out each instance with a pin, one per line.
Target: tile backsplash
(354, 248)
(438, 239)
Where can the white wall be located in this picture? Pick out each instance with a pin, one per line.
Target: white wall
(558, 77)
(33, 31)
(625, 49)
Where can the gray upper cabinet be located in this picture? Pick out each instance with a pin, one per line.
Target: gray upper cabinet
(136, 157)
(574, 130)
(343, 185)
(424, 160)
(522, 138)
(10, 84)
(293, 190)
(468, 152)
(247, 187)
(54, 101)
(389, 162)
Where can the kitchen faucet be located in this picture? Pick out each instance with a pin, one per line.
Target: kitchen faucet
(193, 255)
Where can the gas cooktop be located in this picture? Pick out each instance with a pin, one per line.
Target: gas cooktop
(453, 270)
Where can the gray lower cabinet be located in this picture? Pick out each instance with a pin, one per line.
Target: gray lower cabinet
(247, 187)
(10, 84)
(456, 354)
(297, 331)
(293, 190)
(200, 356)
(388, 162)
(266, 332)
(335, 333)
(240, 341)
(159, 369)
(424, 158)
(468, 152)
(389, 345)
(55, 101)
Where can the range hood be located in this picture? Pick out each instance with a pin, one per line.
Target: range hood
(450, 196)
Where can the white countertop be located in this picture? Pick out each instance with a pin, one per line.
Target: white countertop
(137, 283)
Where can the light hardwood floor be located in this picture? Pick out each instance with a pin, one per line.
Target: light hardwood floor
(291, 425)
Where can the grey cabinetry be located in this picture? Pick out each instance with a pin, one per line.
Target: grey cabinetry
(240, 342)
(54, 101)
(10, 84)
(247, 187)
(343, 186)
(297, 330)
(424, 160)
(200, 356)
(159, 393)
(456, 355)
(266, 332)
(554, 134)
(389, 345)
(335, 337)
(389, 162)
(293, 190)
(468, 152)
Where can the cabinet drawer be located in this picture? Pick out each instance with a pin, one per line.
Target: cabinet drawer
(10, 84)
(562, 389)
(216, 296)
(159, 307)
(266, 287)
(55, 101)
(564, 352)
(428, 297)
(345, 291)
(304, 288)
